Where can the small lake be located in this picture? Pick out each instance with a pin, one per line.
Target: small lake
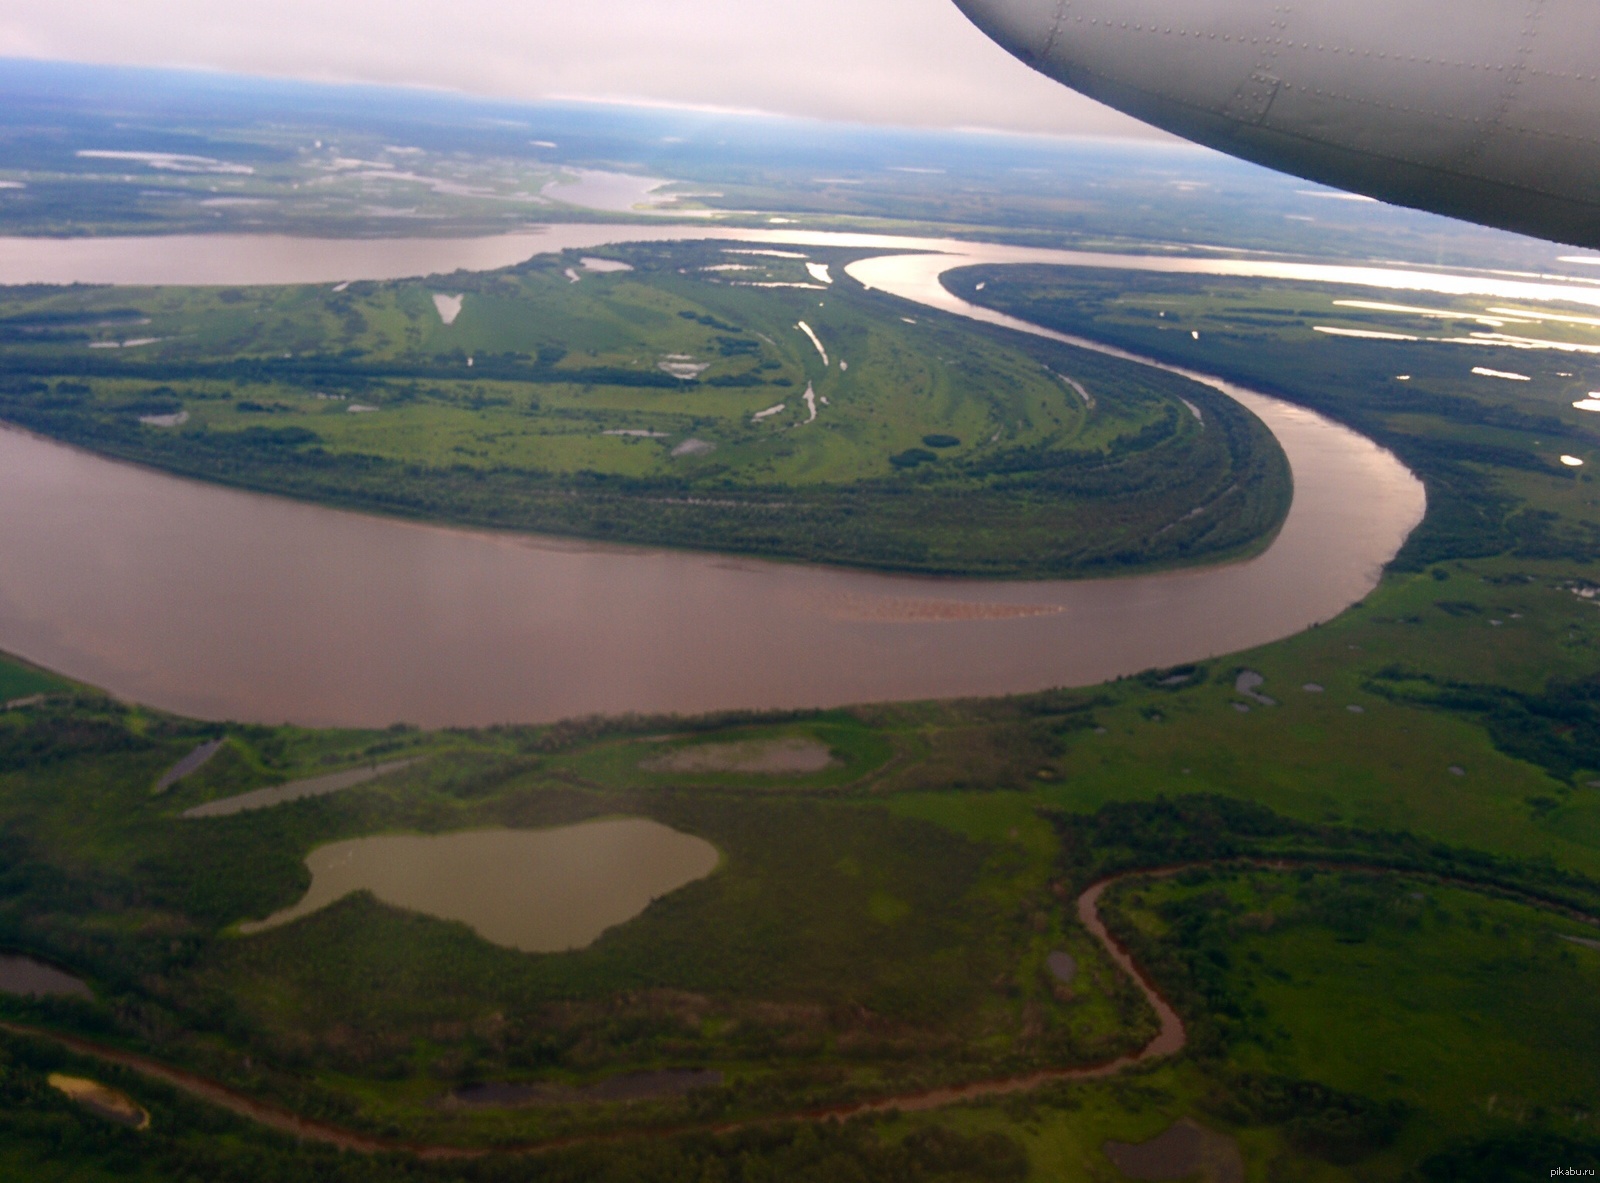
(540, 891)
(216, 603)
(621, 193)
(24, 975)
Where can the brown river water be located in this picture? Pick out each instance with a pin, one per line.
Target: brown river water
(224, 604)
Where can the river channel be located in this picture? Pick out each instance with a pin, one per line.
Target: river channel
(224, 604)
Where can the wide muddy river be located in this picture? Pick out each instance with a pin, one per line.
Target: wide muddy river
(225, 604)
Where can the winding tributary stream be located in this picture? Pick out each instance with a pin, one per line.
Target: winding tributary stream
(224, 604)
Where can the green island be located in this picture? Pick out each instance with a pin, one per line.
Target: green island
(662, 395)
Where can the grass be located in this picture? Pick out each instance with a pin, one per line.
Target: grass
(1459, 1010)
(858, 751)
(20, 680)
(1388, 767)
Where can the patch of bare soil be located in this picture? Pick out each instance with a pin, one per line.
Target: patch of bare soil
(317, 786)
(768, 757)
(102, 1100)
(1185, 1149)
(1063, 967)
(189, 765)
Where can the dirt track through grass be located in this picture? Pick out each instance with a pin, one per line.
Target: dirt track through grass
(1168, 1041)
(1171, 1039)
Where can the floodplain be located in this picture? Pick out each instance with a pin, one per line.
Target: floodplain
(1359, 866)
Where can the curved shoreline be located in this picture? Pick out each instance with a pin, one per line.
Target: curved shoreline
(529, 629)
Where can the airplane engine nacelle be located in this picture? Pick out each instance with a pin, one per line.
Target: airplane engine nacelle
(1487, 110)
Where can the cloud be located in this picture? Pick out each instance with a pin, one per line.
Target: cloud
(915, 62)
(17, 42)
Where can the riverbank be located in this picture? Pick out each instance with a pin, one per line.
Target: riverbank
(693, 634)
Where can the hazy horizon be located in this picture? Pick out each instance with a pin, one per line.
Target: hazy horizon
(916, 63)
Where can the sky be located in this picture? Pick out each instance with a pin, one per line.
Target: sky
(912, 62)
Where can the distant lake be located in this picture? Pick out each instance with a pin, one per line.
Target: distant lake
(223, 604)
(540, 891)
(241, 259)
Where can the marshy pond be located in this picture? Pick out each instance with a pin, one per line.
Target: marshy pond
(540, 891)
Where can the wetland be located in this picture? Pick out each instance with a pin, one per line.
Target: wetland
(540, 891)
